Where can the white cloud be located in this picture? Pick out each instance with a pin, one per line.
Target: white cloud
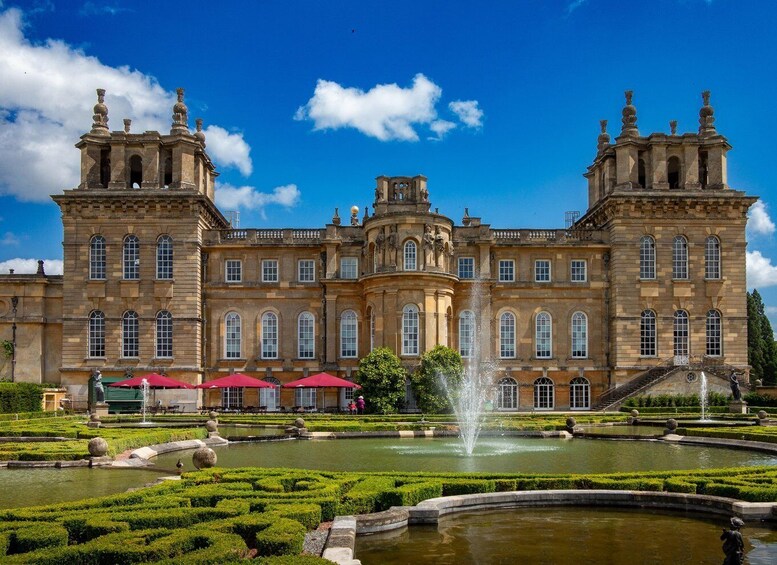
(385, 112)
(43, 110)
(440, 128)
(228, 149)
(230, 197)
(758, 220)
(468, 112)
(30, 266)
(574, 5)
(760, 271)
(100, 8)
(9, 239)
(771, 310)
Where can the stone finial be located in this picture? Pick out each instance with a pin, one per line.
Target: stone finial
(180, 115)
(706, 116)
(100, 117)
(604, 138)
(466, 219)
(127, 124)
(336, 218)
(673, 127)
(629, 119)
(366, 214)
(41, 271)
(199, 134)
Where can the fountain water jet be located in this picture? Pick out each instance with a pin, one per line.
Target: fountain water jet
(144, 398)
(703, 394)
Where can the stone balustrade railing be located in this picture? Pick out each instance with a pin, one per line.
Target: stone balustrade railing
(286, 235)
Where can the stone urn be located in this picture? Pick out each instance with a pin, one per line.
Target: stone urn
(762, 415)
(204, 458)
(299, 423)
(98, 447)
(671, 425)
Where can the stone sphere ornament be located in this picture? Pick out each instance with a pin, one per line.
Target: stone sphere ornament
(762, 415)
(671, 424)
(98, 447)
(94, 417)
(212, 426)
(299, 422)
(204, 458)
(213, 415)
(635, 413)
(571, 422)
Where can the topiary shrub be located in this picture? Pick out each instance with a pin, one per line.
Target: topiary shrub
(440, 368)
(20, 397)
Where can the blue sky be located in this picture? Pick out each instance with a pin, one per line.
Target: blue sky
(305, 103)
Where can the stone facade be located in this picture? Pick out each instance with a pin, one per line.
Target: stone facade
(560, 314)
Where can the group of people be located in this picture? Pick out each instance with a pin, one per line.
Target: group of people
(356, 407)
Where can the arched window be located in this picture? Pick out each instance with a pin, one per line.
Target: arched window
(579, 394)
(410, 330)
(647, 258)
(543, 336)
(129, 334)
(410, 256)
(543, 394)
(306, 336)
(232, 336)
(269, 398)
(712, 258)
(681, 333)
(507, 394)
(164, 258)
(164, 334)
(131, 258)
(348, 334)
(673, 172)
(647, 334)
(135, 171)
(97, 258)
(579, 335)
(507, 335)
(714, 334)
(467, 334)
(680, 258)
(269, 336)
(96, 334)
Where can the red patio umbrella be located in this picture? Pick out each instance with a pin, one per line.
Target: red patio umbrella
(154, 380)
(321, 380)
(236, 380)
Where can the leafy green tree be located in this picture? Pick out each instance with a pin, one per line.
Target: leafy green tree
(761, 347)
(438, 365)
(382, 379)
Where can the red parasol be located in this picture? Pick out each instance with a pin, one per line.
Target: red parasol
(236, 380)
(154, 381)
(321, 380)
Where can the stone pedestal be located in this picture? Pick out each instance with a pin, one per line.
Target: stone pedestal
(737, 407)
(101, 409)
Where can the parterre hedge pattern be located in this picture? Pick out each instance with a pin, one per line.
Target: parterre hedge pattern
(232, 515)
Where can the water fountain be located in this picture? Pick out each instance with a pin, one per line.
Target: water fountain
(144, 399)
(703, 393)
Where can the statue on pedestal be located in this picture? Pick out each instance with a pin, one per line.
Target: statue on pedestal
(99, 390)
(734, 383)
(733, 545)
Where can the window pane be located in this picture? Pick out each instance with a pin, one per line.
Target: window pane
(97, 258)
(507, 335)
(232, 340)
(410, 331)
(164, 334)
(578, 271)
(130, 344)
(543, 336)
(131, 258)
(543, 393)
(306, 270)
(712, 258)
(714, 335)
(96, 334)
(647, 258)
(466, 267)
(410, 256)
(579, 335)
(306, 336)
(234, 270)
(269, 336)
(647, 331)
(506, 270)
(542, 270)
(507, 395)
(349, 268)
(270, 270)
(681, 334)
(680, 258)
(579, 393)
(467, 334)
(348, 337)
(164, 258)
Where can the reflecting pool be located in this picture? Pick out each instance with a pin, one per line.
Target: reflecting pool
(492, 454)
(560, 536)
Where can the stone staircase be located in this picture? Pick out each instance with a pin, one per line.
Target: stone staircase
(615, 396)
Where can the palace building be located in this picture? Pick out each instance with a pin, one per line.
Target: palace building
(640, 293)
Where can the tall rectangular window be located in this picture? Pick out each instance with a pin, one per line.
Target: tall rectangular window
(647, 258)
(269, 336)
(305, 397)
(164, 258)
(712, 258)
(164, 334)
(306, 270)
(506, 270)
(577, 270)
(131, 258)
(466, 267)
(542, 270)
(96, 334)
(647, 334)
(306, 336)
(270, 270)
(410, 330)
(348, 334)
(97, 258)
(232, 398)
(349, 268)
(130, 339)
(234, 270)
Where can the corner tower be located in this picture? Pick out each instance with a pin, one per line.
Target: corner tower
(676, 268)
(133, 232)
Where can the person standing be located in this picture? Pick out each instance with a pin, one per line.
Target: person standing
(360, 405)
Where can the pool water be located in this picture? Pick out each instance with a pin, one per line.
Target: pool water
(561, 536)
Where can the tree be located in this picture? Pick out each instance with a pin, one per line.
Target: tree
(761, 347)
(382, 379)
(438, 365)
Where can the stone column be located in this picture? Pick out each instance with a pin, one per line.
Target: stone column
(691, 167)
(430, 320)
(626, 157)
(658, 166)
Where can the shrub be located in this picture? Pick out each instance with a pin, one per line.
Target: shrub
(382, 379)
(20, 397)
(37, 536)
(440, 370)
